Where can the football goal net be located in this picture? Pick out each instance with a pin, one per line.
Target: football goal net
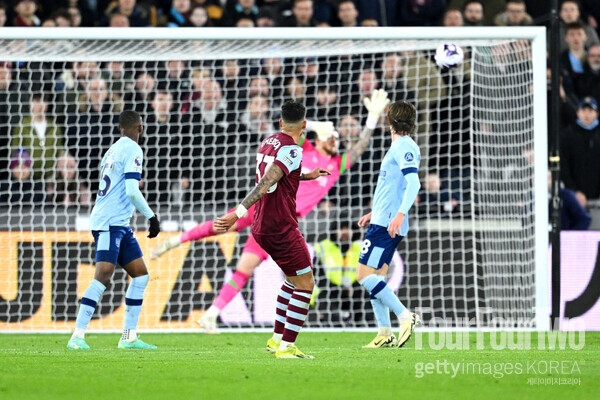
(477, 252)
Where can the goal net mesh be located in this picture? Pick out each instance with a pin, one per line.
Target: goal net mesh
(206, 106)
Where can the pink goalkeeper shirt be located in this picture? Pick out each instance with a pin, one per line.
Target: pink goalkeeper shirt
(310, 193)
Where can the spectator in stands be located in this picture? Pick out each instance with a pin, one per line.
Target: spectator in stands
(10, 98)
(72, 83)
(166, 144)
(327, 107)
(569, 14)
(369, 22)
(591, 8)
(515, 14)
(62, 18)
(420, 13)
(197, 78)
(90, 129)
(336, 288)
(140, 97)
(238, 9)
(2, 13)
(76, 20)
(302, 15)
(393, 79)
(232, 78)
(347, 13)
(40, 136)
(139, 14)
(175, 76)
(436, 200)
(383, 11)
(588, 83)
(580, 153)
(573, 216)
(179, 13)
(25, 11)
(473, 13)
(118, 20)
(215, 11)
(273, 69)
(452, 17)
(573, 58)
(245, 22)
(265, 18)
(257, 118)
(64, 188)
(118, 79)
(21, 188)
(198, 18)
(83, 12)
(212, 122)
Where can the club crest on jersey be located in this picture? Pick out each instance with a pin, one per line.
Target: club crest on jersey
(409, 157)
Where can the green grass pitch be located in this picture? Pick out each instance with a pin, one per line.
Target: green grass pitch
(236, 366)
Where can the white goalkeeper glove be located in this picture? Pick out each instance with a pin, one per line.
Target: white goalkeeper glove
(375, 105)
(324, 130)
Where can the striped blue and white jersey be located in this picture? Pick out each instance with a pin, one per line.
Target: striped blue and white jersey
(113, 207)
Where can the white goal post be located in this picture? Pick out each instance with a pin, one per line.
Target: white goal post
(477, 253)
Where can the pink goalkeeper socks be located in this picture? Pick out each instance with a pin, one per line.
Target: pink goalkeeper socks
(198, 232)
(230, 289)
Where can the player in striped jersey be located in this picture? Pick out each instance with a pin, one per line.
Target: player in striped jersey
(275, 225)
(310, 194)
(118, 197)
(397, 188)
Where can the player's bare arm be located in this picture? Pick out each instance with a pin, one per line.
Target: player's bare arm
(271, 177)
(361, 146)
(364, 220)
(314, 174)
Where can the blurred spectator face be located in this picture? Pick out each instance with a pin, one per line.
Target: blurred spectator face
(182, 6)
(453, 18)
(175, 68)
(49, 23)
(244, 23)
(303, 11)
(309, 67)
(594, 57)
(5, 76)
(575, 38)
(391, 66)
(2, 17)
(118, 21)
(272, 66)
(473, 12)
(66, 167)
(126, 6)
(230, 69)
(349, 130)
(258, 107)
(246, 4)
(26, 8)
(432, 183)
(515, 12)
(367, 82)
(569, 12)
(587, 115)
(21, 171)
(326, 96)
(75, 16)
(86, 70)
(347, 13)
(258, 87)
(369, 22)
(198, 16)
(211, 94)
(265, 22)
(38, 107)
(198, 76)
(162, 103)
(115, 68)
(97, 91)
(145, 83)
(63, 22)
(295, 89)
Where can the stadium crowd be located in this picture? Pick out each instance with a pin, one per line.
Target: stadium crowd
(57, 119)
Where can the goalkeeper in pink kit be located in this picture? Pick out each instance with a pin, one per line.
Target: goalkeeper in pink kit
(310, 193)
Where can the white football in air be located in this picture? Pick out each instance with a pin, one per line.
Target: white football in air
(449, 55)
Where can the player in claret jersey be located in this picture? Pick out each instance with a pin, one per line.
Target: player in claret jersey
(310, 194)
(275, 225)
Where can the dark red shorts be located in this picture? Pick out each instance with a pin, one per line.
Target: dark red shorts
(289, 251)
